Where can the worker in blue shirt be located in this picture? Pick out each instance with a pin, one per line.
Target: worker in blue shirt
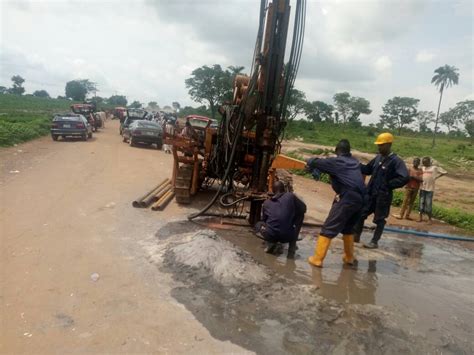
(282, 218)
(348, 183)
(388, 172)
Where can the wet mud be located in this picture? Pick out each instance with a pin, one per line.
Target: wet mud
(270, 304)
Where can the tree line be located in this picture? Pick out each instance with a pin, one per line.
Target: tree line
(213, 85)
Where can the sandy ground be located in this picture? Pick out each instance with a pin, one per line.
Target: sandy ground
(66, 214)
(452, 190)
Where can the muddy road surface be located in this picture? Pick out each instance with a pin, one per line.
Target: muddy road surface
(82, 271)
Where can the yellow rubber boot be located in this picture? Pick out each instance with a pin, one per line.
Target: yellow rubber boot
(348, 257)
(320, 252)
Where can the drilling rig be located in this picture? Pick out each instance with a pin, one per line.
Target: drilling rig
(243, 154)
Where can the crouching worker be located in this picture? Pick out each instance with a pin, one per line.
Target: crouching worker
(282, 218)
(348, 183)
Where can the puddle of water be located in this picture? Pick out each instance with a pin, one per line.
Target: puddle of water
(428, 283)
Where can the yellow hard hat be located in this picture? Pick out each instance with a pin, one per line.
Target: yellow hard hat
(384, 138)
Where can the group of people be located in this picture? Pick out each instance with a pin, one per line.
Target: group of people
(283, 213)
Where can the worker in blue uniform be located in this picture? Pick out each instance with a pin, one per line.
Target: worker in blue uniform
(282, 218)
(387, 172)
(348, 183)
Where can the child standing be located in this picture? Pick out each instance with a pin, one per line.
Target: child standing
(411, 189)
(430, 174)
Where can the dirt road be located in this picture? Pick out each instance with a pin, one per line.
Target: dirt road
(65, 215)
(166, 285)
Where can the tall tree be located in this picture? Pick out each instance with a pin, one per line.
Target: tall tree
(296, 104)
(350, 108)
(448, 119)
(78, 89)
(17, 88)
(317, 111)
(3, 90)
(235, 70)
(153, 105)
(135, 104)
(117, 100)
(399, 112)
(41, 93)
(469, 126)
(424, 118)
(464, 110)
(211, 84)
(444, 77)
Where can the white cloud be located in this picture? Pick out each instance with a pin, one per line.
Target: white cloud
(424, 56)
(383, 63)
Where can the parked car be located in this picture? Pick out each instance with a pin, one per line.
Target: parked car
(87, 110)
(70, 125)
(143, 131)
(131, 115)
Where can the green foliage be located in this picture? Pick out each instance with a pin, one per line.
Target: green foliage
(399, 112)
(350, 108)
(117, 100)
(212, 85)
(423, 119)
(448, 119)
(17, 88)
(41, 93)
(78, 89)
(317, 111)
(444, 77)
(23, 118)
(296, 104)
(135, 104)
(469, 125)
(451, 216)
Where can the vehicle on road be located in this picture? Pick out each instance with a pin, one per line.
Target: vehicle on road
(120, 113)
(143, 131)
(87, 110)
(132, 114)
(70, 125)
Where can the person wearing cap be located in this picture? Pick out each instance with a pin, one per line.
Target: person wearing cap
(387, 172)
(348, 184)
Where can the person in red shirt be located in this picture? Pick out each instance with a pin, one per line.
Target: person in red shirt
(411, 189)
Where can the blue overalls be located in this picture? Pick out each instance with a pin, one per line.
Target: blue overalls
(348, 183)
(387, 173)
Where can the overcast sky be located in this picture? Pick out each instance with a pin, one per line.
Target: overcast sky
(145, 49)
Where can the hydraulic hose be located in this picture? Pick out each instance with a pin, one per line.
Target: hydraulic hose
(409, 231)
(428, 234)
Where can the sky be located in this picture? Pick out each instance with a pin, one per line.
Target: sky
(145, 49)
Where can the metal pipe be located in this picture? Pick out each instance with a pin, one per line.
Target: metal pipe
(161, 203)
(153, 199)
(136, 203)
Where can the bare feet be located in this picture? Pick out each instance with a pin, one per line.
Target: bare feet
(397, 216)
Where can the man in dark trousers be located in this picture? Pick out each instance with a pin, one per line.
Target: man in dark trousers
(348, 183)
(282, 218)
(388, 172)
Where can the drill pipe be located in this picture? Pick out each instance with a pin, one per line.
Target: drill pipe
(137, 202)
(156, 195)
(163, 201)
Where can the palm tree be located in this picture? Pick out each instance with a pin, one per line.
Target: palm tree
(445, 77)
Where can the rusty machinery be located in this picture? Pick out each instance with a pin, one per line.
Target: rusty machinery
(243, 152)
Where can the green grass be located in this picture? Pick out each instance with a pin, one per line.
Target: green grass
(452, 216)
(23, 118)
(454, 153)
